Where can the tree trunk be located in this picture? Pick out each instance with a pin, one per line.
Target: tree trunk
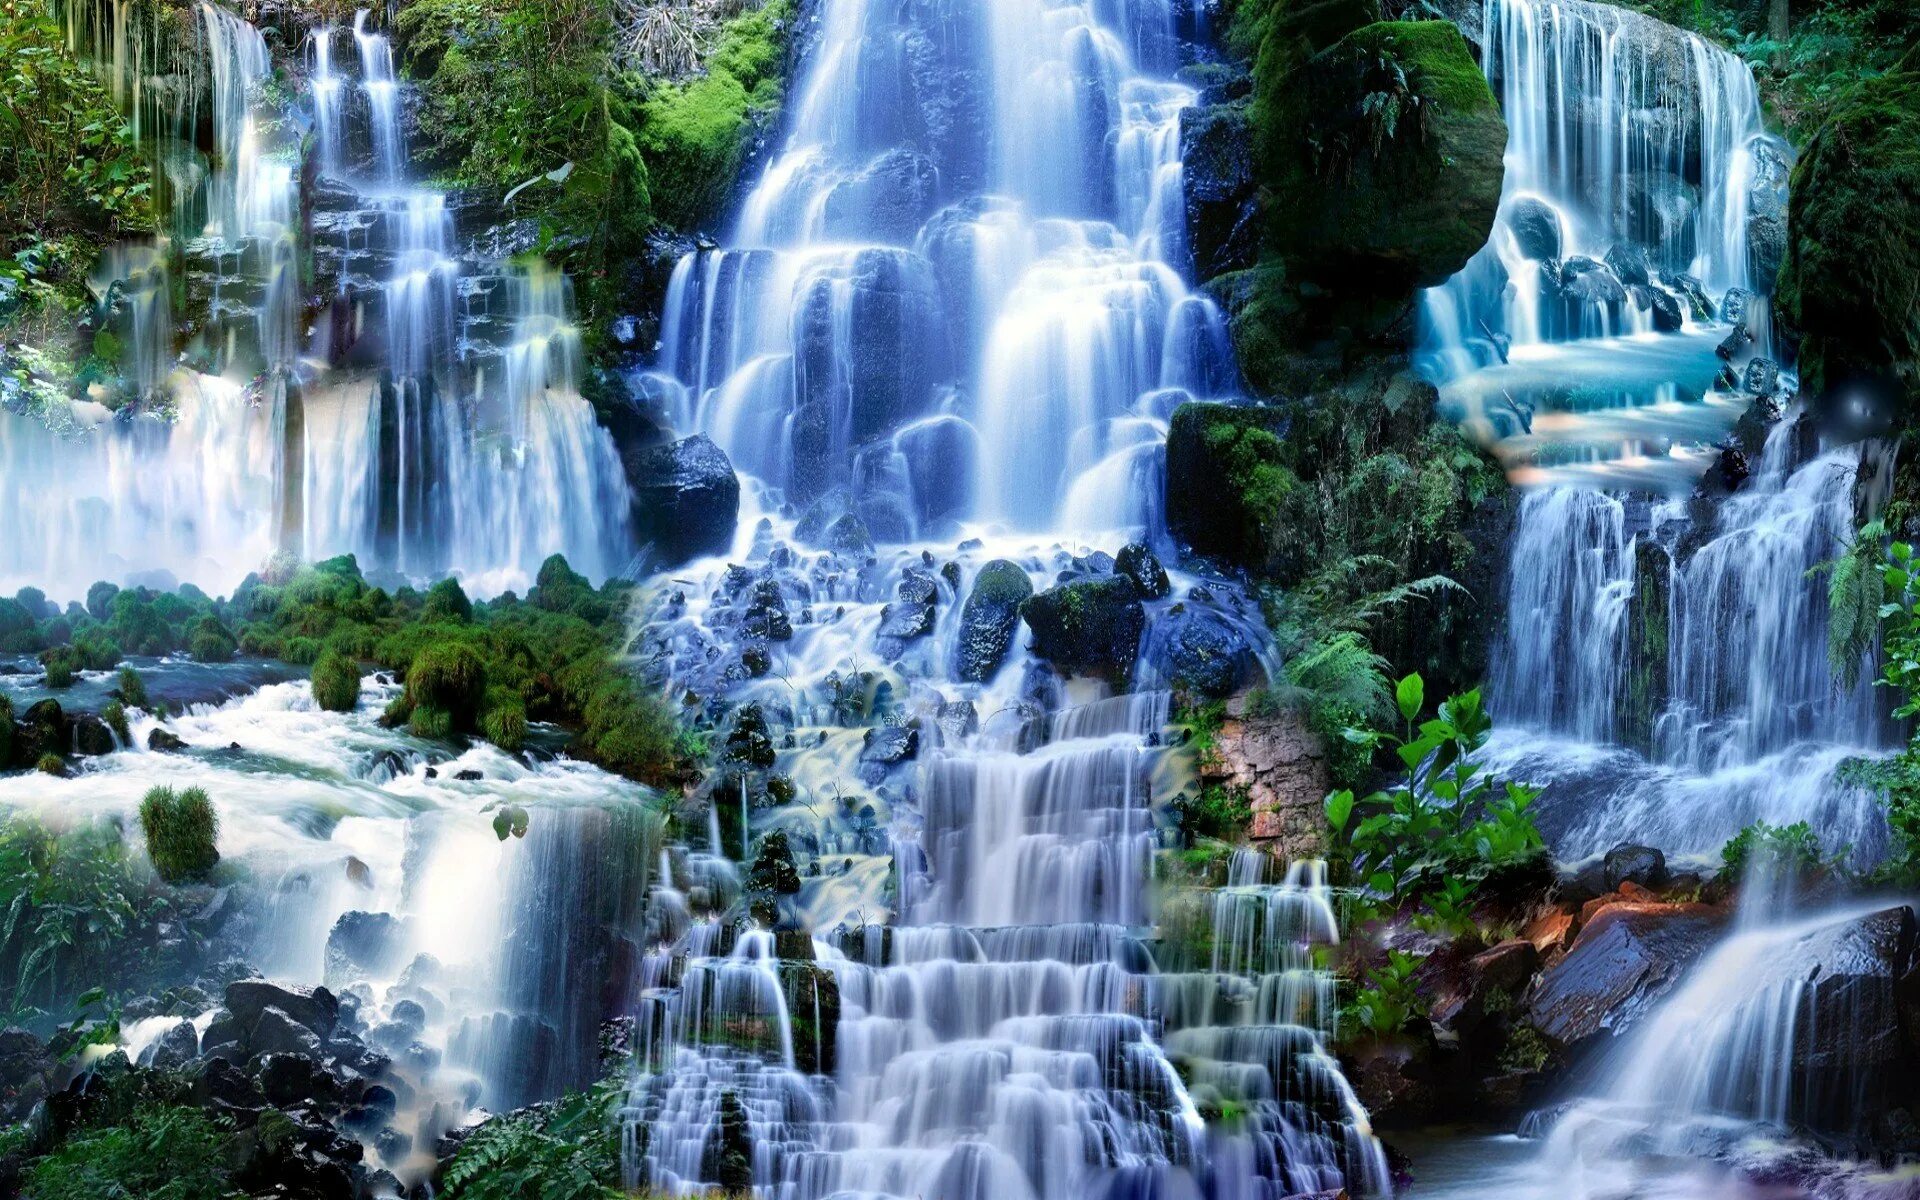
(1777, 31)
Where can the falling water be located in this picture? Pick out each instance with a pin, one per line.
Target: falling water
(1671, 681)
(426, 417)
(1581, 339)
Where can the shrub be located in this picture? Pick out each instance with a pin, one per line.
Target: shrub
(132, 689)
(115, 715)
(63, 664)
(569, 1150)
(336, 682)
(51, 764)
(1791, 849)
(447, 601)
(505, 724)
(180, 828)
(432, 724)
(450, 677)
(211, 643)
(163, 1152)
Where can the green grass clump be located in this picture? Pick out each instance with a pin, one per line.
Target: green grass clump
(336, 682)
(450, 677)
(181, 828)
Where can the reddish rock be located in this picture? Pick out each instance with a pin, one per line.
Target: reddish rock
(1550, 934)
(1282, 767)
(1461, 999)
(1626, 958)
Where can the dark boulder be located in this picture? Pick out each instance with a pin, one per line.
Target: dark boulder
(1536, 227)
(1142, 566)
(173, 1049)
(1216, 144)
(1088, 627)
(363, 944)
(686, 498)
(910, 617)
(1850, 1058)
(890, 745)
(1197, 650)
(1627, 957)
(295, 1080)
(886, 201)
(1667, 317)
(1643, 865)
(1584, 281)
(164, 742)
(1762, 377)
(91, 736)
(274, 1032)
(315, 1008)
(1629, 264)
(988, 619)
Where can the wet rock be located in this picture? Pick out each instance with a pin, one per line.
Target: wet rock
(274, 1032)
(1625, 960)
(830, 524)
(890, 745)
(27, 1068)
(1736, 306)
(957, 719)
(1536, 227)
(315, 1008)
(989, 618)
(173, 1049)
(291, 1080)
(1142, 566)
(1281, 765)
(1200, 652)
(1216, 142)
(364, 944)
(468, 775)
(911, 617)
(220, 1085)
(1629, 264)
(887, 201)
(161, 740)
(749, 743)
(1667, 317)
(91, 736)
(1762, 377)
(1850, 1060)
(686, 498)
(1642, 865)
(1584, 281)
(1691, 293)
(1088, 627)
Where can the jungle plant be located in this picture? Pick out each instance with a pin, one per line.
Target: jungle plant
(1390, 998)
(181, 828)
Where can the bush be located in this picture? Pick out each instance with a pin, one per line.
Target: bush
(336, 682)
(132, 688)
(180, 828)
(569, 1150)
(447, 601)
(449, 677)
(115, 715)
(505, 725)
(1787, 849)
(51, 764)
(211, 643)
(429, 723)
(63, 664)
(160, 1152)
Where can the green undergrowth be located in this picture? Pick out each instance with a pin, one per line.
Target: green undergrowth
(566, 1150)
(478, 669)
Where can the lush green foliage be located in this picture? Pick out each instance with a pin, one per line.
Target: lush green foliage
(1446, 823)
(1897, 779)
(1390, 997)
(181, 830)
(486, 669)
(77, 910)
(159, 1152)
(568, 1150)
(71, 180)
(1789, 849)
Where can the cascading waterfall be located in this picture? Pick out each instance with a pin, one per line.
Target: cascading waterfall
(1582, 338)
(950, 311)
(425, 415)
(1671, 684)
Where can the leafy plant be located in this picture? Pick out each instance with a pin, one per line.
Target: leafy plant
(567, 1150)
(1446, 816)
(1792, 849)
(1390, 998)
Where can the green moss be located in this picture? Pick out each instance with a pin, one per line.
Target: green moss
(450, 678)
(1850, 282)
(181, 829)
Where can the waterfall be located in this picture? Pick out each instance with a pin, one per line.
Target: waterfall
(1669, 681)
(1581, 340)
(426, 418)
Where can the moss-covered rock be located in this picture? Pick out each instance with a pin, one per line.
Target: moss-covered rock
(988, 619)
(336, 682)
(1850, 285)
(1088, 627)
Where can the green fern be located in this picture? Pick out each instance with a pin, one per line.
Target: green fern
(1856, 587)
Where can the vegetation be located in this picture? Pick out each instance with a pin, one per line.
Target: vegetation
(1390, 998)
(1434, 835)
(471, 669)
(1897, 779)
(158, 1152)
(567, 1150)
(71, 181)
(181, 829)
(78, 910)
(1788, 849)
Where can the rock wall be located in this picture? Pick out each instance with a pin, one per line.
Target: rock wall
(1282, 766)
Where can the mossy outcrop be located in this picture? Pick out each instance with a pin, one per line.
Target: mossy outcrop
(1088, 627)
(1381, 152)
(1850, 285)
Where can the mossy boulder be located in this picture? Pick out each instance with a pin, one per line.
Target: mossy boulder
(988, 619)
(1231, 494)
(336, 682)
(1382, 154)
(1850, 285)
(446, 680)
(1088, 627)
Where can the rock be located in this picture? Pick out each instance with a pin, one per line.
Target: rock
(1643, 865)
(1461, 1004)
(887, 201)
(1217, 521)
(1550, 934)
(957, 719)
(1584, 281)
(163, 741)
(274, 1032)
(220, 1085)
(1216, 142)
(1139, 564)
(364, 944)
(1691, 293)
(1849, 1059)
(890, 744)
(686, 498)
(1281, 765)
(1199, 651)
(1088, 627)
(1667, 317)
(1762, 377)
(910, 617)
(294, 1080)
(173, 1049)
(1629, 264)
(1854, 207)
(1627, 957)
(315, 1008)
(1536, 227)
(27, 1069)
(988, 619)
(1736, 308)
(830, 524)
(91, 737)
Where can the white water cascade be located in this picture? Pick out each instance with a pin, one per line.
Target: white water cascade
(1670, 683)
(415, 403)
(1581, 341)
